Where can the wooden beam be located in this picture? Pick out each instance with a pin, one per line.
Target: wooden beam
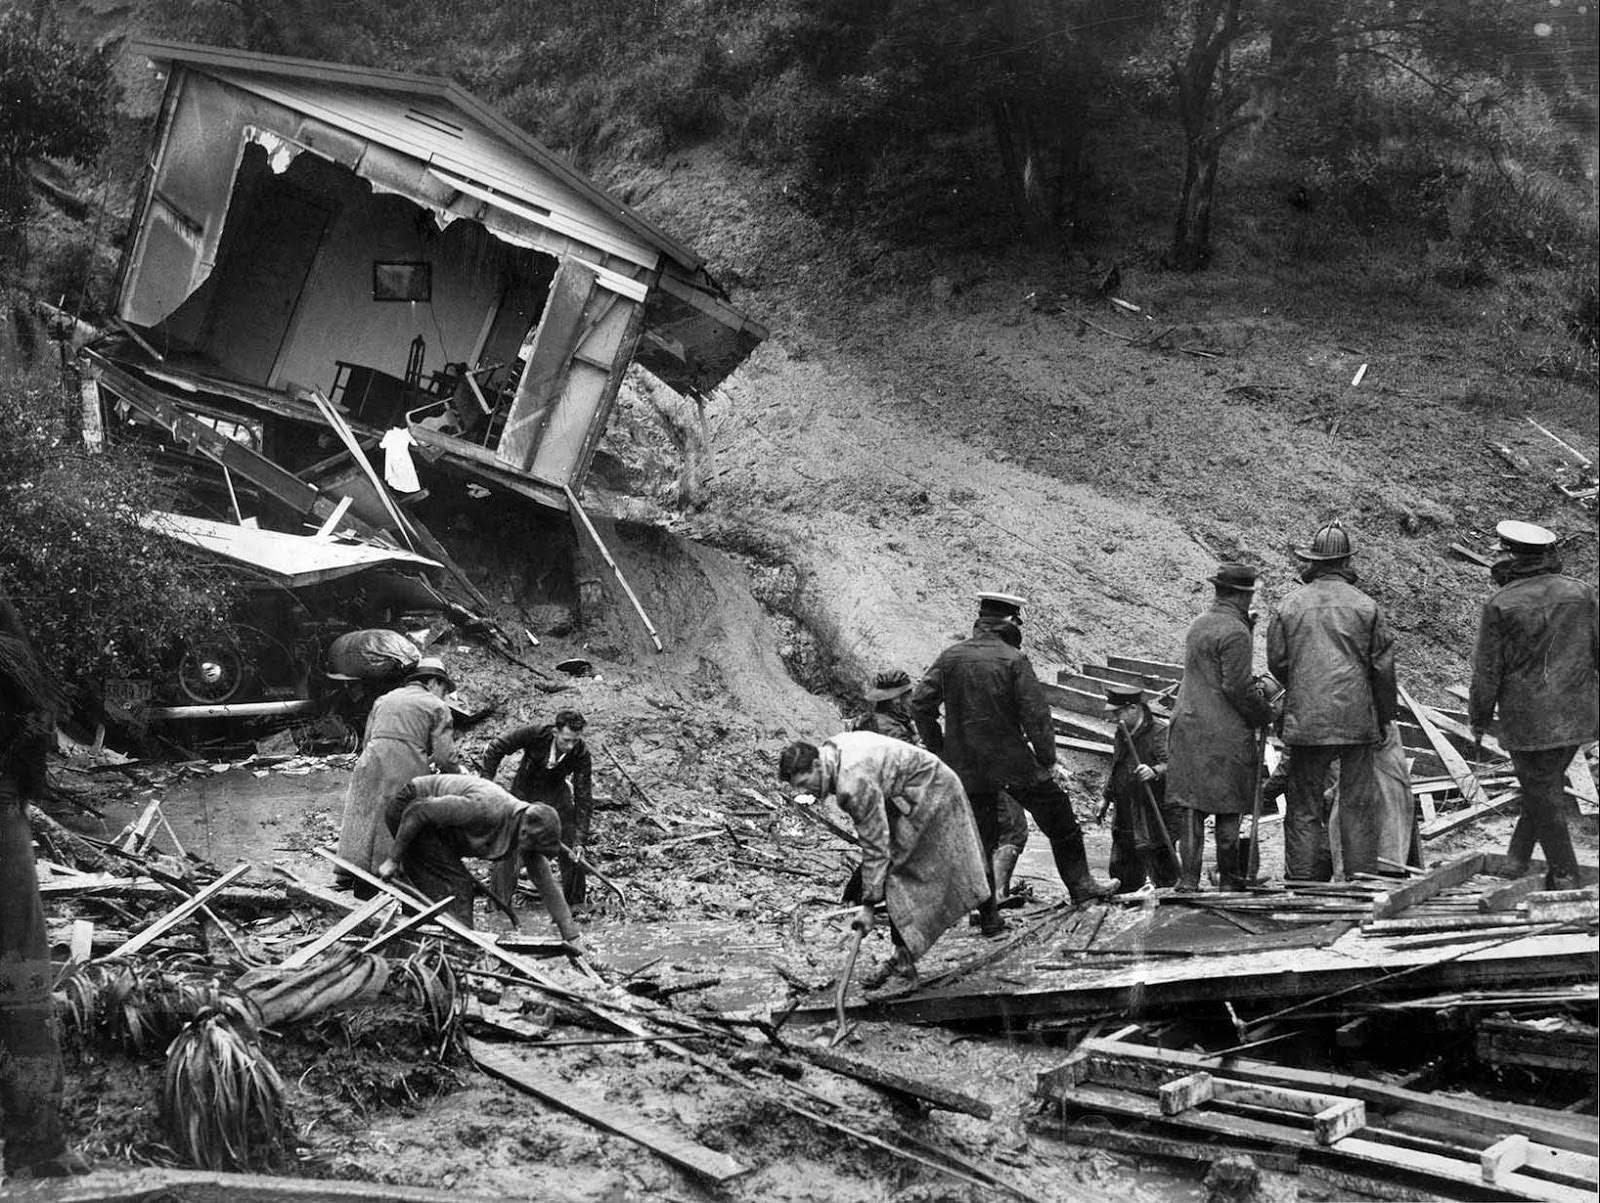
(1451, 1169)
(1386, 906)
(620, 1119)
(1079, 701)
(931, 1093)
(1574, 1133)
(176, 916)
(1444, 824)
(1507, 896)
(582, 519)
(365, 913)
(400, 929)
(1505, 1155)
(1454, 763)
(1153, 668)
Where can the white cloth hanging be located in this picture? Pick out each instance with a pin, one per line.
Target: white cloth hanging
(398, 470)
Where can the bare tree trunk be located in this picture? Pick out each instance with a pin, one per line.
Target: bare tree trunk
(1200, 82)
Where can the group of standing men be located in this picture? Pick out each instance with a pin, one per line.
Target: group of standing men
(930, 817)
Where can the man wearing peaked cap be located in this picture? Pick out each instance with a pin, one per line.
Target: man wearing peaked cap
(408, 727)
(1213, 742)
(1329, 646)
(1138, 843)
(997, 735)
(1535, 663)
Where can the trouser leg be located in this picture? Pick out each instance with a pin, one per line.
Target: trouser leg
(1306, 854)
(1542, 775)
(986, 814)
(438, 873)
(1191, 848)
(1360, 809)
(1127, 860)
(1051, 809)
(1230, 873)
(559, 799)
(31, 1081)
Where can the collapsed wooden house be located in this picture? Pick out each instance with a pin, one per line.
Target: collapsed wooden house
(318, 244)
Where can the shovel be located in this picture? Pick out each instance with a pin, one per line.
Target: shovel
(853, 946)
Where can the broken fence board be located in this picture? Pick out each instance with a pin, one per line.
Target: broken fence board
(176, 916)
(1454, 763)
(1385, 906)
(620, 1119)
(885, 1079)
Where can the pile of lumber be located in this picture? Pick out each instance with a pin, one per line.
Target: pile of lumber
(1363, 1134)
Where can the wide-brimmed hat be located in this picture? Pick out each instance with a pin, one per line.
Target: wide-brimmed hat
(1524, 536)
(1331, 542)
(430, 668)
(1118, 696)
(1001, 605)
(1234, 576)
(889, 684)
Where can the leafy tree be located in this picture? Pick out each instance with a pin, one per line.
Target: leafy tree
(56, 101)
(100, 595)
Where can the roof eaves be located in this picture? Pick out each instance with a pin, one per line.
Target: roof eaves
(378, 79)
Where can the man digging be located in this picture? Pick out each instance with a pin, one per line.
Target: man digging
(919, 844)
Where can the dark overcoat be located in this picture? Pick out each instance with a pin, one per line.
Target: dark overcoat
(996, 728)
(1212, 740)
(1536, 662)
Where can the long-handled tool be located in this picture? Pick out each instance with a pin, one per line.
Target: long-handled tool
(588, 866)
(852, 947)
(1166, 855)
(1253, 858)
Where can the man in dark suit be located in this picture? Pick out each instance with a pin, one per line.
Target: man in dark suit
(556, 769)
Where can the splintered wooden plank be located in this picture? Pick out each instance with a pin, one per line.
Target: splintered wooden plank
(1507, 896)
(176, 916)
(1454, 763)
(1504, 1156)
(1079, 701)
(1385, 906)
(364, 914)
(1450, 822)
(620, 1119)
(886, 1079)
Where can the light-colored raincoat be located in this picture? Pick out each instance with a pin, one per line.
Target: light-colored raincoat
(920, 848)
(408, 728)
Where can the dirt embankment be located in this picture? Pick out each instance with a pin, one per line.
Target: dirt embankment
(917, 429)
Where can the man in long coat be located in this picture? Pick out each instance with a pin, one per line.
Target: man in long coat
(1535, 662)
(997, 735)
(919, 845)
(440, 818)
(1329, 646)
(1139, 763)
(1215, 763)
(409, 727)
(556, 769)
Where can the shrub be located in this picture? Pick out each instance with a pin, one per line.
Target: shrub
(100, 595)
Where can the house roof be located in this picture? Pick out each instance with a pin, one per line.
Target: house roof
(363, 100)
(294, 560)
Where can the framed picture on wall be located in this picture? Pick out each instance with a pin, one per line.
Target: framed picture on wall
(402, 281)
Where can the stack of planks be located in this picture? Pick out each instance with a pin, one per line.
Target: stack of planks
(1365, 1134)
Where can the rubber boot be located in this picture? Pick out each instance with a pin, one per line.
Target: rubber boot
(989, 921)
(1004, 864)
(1072, 862)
